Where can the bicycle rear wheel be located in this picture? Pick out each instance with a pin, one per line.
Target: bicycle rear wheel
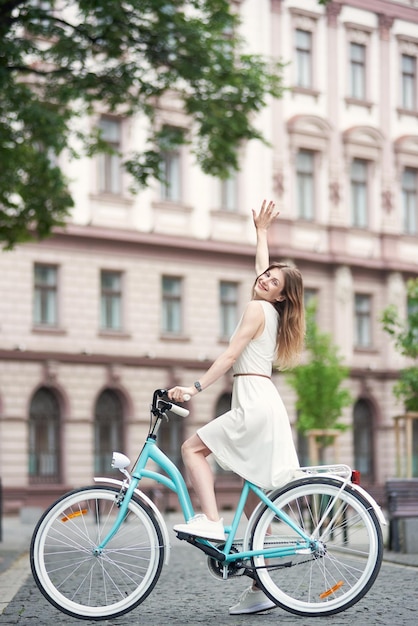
(76, 580)
(339, 569)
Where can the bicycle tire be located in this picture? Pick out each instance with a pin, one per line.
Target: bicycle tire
(344, 565)
(88, 586)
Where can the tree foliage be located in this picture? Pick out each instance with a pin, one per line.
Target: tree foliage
(405, 335)
(58, 60)
(320, 396)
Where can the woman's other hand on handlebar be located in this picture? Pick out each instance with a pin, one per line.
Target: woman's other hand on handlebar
(179, 394)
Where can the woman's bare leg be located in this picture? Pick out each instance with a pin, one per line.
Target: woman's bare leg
(195, 453)
(252, 502)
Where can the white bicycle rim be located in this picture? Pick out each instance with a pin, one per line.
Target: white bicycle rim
(77, 581)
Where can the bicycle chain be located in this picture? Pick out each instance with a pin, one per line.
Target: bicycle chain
(271, 567)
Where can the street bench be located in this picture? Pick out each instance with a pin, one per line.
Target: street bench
(402, 502)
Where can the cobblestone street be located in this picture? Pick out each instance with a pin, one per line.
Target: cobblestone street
(188, 594)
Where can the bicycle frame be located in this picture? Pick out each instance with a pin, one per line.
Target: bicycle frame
(174, 481)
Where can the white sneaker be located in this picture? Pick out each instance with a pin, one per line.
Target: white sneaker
(201, 526)
(252, 601)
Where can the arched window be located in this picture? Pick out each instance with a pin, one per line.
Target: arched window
(44, 437)
(363, 439)
(108, 430)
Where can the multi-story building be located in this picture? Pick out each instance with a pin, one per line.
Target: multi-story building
(140, 292)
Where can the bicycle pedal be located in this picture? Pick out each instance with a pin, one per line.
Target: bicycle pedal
(184, 536)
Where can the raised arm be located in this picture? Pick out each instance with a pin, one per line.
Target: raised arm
(262, 221)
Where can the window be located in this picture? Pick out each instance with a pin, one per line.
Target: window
(410, 200)
(358, 71)
(108, 430)
(171, 176)
(111, 300)
(46, 295)
(171, 305)
(305, 163)
(363, 440)
(44, 437)
(408, 81)
(110, 162)
(359, 193)
(228, 293)
(363, 320)
(303, 58)
(228, 194)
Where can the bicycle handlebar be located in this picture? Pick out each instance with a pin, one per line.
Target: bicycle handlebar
(167, 404)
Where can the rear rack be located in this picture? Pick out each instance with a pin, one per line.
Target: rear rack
(336, 470)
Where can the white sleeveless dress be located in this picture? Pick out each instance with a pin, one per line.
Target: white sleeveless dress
(254, 439)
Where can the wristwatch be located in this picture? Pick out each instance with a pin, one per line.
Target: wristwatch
(198, 386)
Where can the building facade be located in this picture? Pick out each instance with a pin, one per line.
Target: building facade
(141, 292)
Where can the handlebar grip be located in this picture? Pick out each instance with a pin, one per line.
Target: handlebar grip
(186, 397)
(179, 410)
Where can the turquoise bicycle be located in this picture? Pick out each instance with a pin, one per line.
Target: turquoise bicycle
(314, 546)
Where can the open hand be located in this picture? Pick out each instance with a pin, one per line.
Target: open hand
(266, 215)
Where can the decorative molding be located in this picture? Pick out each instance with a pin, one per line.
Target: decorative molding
(359, 27)
(303, 22)
(306, 91)
(112, 199)
(387, 201)
(333, 10)
(407, 38)
(396, 10)
(385, 24)
(114, 374)
(295, 11)
(360, 103)
(357, 35)
(334, 192)
(50, 372)
(411, 112)
(408, 45)
(276, 6)
(278, 183)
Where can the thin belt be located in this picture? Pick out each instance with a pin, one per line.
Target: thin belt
(250, 374)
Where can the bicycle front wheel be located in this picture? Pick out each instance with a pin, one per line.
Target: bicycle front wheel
(345, 555)
(77, 580)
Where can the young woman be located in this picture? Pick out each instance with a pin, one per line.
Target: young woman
(254, 438)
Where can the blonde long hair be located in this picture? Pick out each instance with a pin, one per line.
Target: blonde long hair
(291, 310)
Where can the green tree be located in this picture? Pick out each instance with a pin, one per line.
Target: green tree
(320, 396)
(57, 63)
(405, 334)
